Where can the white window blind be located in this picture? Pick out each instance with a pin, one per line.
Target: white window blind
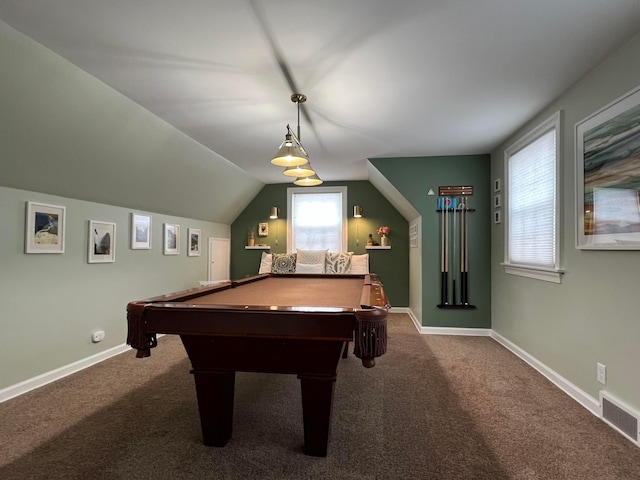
(317, 219)
(532, 199)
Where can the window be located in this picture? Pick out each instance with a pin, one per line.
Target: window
(532, 215)
(317, 218)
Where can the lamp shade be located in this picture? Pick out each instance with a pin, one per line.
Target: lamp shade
(357, 211)
(274, 212)
(299, 171)
(290, 153)
(310, 181)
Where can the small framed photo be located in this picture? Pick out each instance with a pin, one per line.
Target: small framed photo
(194, 242)
(497, 185)
(497, 201)
(140, 231)
(497, 216)
(45, 228)
(263, 229)
(102, 242)
(171, 239)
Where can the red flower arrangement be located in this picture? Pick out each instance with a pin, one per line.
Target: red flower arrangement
(384, 230)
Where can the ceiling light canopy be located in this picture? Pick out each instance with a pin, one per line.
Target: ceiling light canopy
(292, 154)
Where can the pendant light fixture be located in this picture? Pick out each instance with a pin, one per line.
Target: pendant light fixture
(292, 154)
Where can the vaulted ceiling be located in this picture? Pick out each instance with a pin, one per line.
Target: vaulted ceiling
(383, 78)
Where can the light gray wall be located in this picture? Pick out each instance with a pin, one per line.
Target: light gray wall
(593, 315)
(65, 133)
(50, 303)
(68, 139)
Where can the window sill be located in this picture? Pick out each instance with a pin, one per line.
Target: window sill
(546, 275)
(378, 247)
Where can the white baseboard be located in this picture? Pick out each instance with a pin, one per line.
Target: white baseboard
(587, 401)
(580, 396)
(58, 373)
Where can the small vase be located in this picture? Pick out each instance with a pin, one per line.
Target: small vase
(252, 241)
(383, 240)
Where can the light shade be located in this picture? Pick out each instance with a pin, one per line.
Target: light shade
(357, 211)
(299, 171)
(291, 153)
(274, 212)
(310, 181)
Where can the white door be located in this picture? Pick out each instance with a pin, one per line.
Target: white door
(219, 252)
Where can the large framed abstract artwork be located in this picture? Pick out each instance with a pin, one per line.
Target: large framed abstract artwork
(608, 176)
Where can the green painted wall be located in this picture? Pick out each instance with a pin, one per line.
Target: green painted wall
(52, 302)
(413, 177)
(392, 265)
(592, 316)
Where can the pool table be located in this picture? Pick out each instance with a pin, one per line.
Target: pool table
(292, 323)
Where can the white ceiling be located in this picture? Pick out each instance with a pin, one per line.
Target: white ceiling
(383, 78)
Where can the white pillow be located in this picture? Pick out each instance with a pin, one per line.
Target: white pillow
(265, 263)
(311, 257)
(309, 268)
(360, 264)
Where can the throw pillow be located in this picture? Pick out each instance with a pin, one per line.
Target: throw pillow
(360, 264)
(265, 263)
(337, 262)
(309, 268)
(311, 257)
(283, 263)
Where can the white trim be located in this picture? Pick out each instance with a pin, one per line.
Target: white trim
(547, 275)
(48, 377)
(579, 395)
(472, 332)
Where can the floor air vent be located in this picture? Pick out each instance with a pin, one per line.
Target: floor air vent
(620, 417)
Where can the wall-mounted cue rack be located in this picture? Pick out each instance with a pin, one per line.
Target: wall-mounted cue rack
(453, 207)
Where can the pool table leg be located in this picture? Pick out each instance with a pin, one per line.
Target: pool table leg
(215, 391)
(317, 404)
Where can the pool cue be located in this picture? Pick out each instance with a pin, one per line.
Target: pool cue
(444, 280)
(462, 252)
(465, 265)
(454, 242)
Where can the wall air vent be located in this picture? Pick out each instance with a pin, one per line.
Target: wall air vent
(620, 417)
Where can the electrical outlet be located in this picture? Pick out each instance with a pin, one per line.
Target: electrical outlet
(97, 336)
(601, 373)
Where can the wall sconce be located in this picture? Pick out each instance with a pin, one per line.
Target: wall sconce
(357, 213)
(274, 216)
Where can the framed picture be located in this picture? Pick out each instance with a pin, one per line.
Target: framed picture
(102, 242)
(140, 231)
(263, 229)
(497, 216)
(497, 185)
(171, 239)
(45, 228)
(497, 201)
(608, 177)
(193, 234)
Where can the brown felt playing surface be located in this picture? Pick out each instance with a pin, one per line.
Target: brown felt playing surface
(295, 292)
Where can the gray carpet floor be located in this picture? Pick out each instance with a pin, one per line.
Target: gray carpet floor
(434, 407)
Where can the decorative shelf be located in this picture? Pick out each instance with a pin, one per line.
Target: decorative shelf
(258, 247)
(378, 247)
